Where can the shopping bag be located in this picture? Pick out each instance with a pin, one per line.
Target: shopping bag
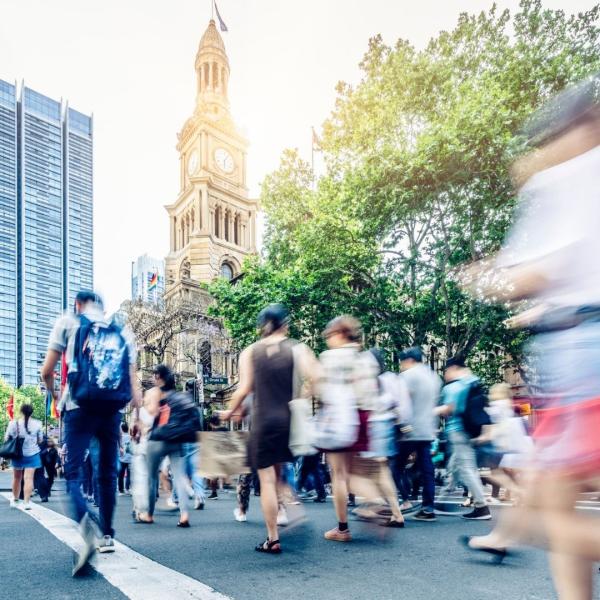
(302, 430)
(223, 453)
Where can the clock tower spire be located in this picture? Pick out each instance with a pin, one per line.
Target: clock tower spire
(212, 71)
(212, 221)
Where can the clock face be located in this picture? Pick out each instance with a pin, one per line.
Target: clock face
(224, 160)
(192, 163)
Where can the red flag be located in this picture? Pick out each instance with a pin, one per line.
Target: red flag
(10, 407)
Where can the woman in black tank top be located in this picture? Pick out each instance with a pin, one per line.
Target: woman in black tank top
(267, 371)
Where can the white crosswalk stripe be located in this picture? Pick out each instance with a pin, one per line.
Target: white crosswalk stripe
(135, 575)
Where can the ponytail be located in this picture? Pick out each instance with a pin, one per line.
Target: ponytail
(26, 411)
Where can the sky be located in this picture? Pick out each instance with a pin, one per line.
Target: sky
(131, 64)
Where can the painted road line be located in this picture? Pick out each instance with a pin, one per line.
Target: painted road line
(135, 575)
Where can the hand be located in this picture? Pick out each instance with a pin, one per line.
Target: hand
(225, 415)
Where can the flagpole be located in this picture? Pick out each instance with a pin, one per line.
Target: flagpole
(212, 10)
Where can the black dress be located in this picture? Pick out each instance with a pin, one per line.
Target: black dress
(273, 366)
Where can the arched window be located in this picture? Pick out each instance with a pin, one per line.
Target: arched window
(206, 358)
(227, 271)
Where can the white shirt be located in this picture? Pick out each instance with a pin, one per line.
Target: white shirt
(557, 227)
(32, 435)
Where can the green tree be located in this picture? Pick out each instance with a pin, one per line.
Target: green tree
(26, 394)
(417, 184)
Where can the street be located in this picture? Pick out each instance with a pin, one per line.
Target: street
(420, 562)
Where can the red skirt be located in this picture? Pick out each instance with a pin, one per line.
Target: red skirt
(567, 438)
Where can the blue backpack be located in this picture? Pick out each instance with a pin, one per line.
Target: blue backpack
(99, 379)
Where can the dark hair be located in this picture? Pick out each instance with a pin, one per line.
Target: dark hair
(26, 411)
(166, 375)
(379, 357)
(272, 318)
(570, 108)
(85, 296)
(455, 361)
(189, 385)
(347, 326)
(414, 353)
(124, 427)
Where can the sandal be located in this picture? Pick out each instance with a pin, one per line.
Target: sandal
(393, 523)
(147, 521)
(183, 524)
(268, 547)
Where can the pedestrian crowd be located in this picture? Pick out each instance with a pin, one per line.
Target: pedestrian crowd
(377, 440)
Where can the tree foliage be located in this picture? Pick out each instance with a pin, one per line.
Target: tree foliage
(25, 394)
(417, 183)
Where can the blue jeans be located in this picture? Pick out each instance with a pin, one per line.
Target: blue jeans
(425, 466)
(80, 428)
(191, 451)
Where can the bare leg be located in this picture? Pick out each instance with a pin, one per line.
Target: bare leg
(28, 487)
(16, 486)
(268, 500)
(339, 464)
(388, 490)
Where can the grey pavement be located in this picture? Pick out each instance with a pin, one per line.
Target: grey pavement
(421, 562)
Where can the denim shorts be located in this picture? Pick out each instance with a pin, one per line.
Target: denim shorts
(27, 462)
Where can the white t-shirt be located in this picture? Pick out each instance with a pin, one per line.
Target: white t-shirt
(32, 435)
(557, 227)
(62, 339)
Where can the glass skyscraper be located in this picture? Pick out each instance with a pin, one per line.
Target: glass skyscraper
(148, 279)
(45, 223)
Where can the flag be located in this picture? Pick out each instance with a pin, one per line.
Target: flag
(54, 410)
(316, 141)
(10, 407)
(51, 410)
(221, 22)
(152, 281)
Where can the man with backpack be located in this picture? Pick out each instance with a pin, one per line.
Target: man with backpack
(100, 356)
(463, 405)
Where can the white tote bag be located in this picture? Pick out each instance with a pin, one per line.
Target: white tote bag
(302, 431)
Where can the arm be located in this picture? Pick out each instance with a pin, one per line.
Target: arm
(245, 385)
(310, 369)
(47, 372)
(136, 390)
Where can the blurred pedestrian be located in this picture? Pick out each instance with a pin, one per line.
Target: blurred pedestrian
(100, 355)
(349, 391)
(267, 371)
(461, 396)
(423, 388)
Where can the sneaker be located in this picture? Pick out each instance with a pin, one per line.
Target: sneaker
(172, 504)
(240, 517)
(479, 513)
(198, 504)
(213, 496)
(282, 518)
(423, 515)
(106, 544)
(335, 535)
(319, 500)
(80, 559)
(493, 501)
(15, 503)
(27, 505)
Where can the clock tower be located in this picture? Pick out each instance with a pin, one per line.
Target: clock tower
(212, 221)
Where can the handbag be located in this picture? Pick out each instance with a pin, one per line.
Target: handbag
(12, 447)
(302, 430)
